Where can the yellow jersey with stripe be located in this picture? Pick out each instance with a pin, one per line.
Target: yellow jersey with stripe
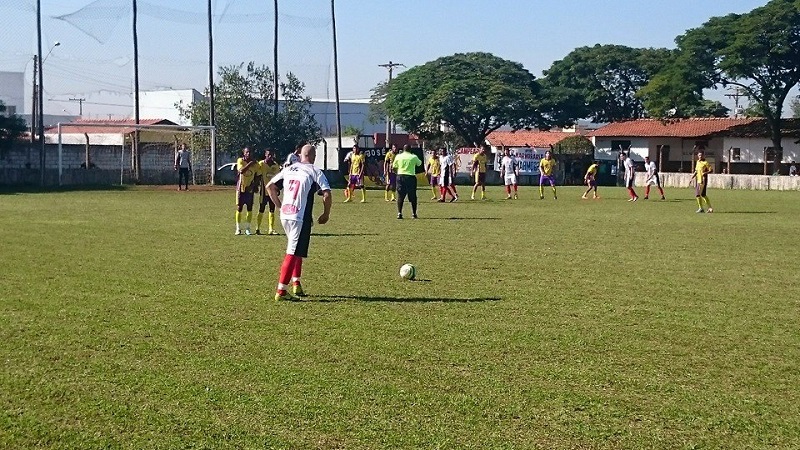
(247, 179)
(546, 166)
(388, 160)
(479, 160)
(434, 167)
(591, 172)
(266, 171)
(356, 163)
(702, 168)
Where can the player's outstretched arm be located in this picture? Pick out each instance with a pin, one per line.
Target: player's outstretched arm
(272, 190)
(327, 200)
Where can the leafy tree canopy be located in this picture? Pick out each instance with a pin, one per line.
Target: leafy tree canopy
(470, 94)
(600, 83)
(245, 111)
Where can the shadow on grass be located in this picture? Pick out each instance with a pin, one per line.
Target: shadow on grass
(342, 234)
(745, 212)
(458, 218)
(369, 298)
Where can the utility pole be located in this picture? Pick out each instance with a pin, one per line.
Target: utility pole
(80, 104)
(35, 100)
(736, 95)
(40, 92)
(136, 156)
(390, 65)
(211, 103)
(336, 84)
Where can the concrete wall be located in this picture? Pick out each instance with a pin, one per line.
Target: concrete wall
(723, 181)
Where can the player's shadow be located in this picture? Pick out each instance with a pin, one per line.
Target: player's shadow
(745, 212)
(459, 218)
(370, 298)
(342, 234)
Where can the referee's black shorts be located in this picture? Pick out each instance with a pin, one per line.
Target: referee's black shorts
(406, 183)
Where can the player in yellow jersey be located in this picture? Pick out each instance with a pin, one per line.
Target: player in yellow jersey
(389, 174)
(267, 168)
(701, 170)
(479, 172)
(434, 171)
(547, 174)
(590, 179)
(247, 168)
(358, 163)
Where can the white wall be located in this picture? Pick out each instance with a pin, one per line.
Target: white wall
(12, 90)
(752, 149)
(161, 104)
(640, 147)
(328, 148)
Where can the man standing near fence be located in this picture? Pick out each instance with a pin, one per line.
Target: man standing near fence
(405, 165)
(183, 164)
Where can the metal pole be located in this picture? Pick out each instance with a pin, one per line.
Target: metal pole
(137, 162)
(34, 101)
(60, 155)
(212, 115)
(336, 78)
(42, 156)
(275, 66)
(390, 65)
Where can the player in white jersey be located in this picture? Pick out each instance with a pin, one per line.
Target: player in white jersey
(293, 157)
(300, 182)
(652, 178)
(447, 178)
(629, 175)
(509, 171)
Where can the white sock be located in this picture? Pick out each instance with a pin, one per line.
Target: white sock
(282, 287)
(295, 280)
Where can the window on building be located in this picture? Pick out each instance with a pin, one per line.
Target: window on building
(736, 154)
(617, 146)
(664, 155)
(773, 155)
(700, 145)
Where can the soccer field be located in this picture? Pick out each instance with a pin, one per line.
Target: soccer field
(136, 319)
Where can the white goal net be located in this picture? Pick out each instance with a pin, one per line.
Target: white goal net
(124, 153)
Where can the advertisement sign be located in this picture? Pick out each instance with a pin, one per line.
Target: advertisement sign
(527, 157)
(463, 158)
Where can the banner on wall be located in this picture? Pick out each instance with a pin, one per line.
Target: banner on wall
(463, 158)
(528, 158)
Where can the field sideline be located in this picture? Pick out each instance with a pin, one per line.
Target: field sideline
(136, 319)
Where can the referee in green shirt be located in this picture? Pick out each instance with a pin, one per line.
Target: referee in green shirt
(405, 165)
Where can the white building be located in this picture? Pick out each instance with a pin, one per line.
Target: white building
(354, 113)
(12, 91)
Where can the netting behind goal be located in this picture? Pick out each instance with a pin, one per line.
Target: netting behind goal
(110, 151)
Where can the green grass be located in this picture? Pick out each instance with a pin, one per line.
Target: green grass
(135, 319)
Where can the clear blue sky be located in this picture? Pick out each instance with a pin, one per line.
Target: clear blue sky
(173, 44)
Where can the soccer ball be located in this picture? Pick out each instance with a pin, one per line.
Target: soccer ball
(408, 272)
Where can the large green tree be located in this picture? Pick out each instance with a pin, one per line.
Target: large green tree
(757, 51)
(11, 128)
(600, 83)
(245, 111)
(469, 94)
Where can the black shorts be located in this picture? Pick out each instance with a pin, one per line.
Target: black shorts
(244, 199)
(265, 200)
(406, 183)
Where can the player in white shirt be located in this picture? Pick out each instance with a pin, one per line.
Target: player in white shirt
(652, 178)
(629, 175)
(293, 157)
(509, 171)
(447, 178)
(300, 182)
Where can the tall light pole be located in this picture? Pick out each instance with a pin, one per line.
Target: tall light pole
(41, 90)
(336, 82)
(136, 156)
(390, 65)
(211, 104)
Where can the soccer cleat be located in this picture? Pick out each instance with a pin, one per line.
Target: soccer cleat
(710, 210)
(583, 197)
(435, 198)
(393, 199)
(635, 198)
(286, 297)
(508, 197)
(663, 198)
(258, 232)
(441, 200)
(297, 290)
(272, 233)
(646, 197)
(541, 197)
(454, 199)
(399, 216)
(347, 200)
(363, 201)
(700, 210)
(414, 216)
(555, 198)
(238, 232)
(515, 197)
(472, 198)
